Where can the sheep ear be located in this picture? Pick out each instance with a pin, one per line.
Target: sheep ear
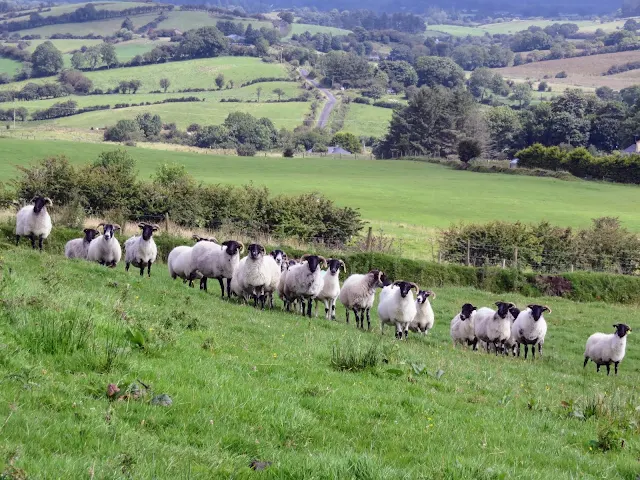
(615, 325)
(546, 308)
(196, 237)
(155, 228)
(33, 199)
(530, 306)
(116, 226)
(343, 266)
(214, 240)
(241, 246)
(433, 294)
(48, 202)
(142, 225)
(497, 304)
(87, 230)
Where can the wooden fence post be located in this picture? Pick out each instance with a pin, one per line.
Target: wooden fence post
(515, 257)
(468, 252)
(166, 222)
(369, 238)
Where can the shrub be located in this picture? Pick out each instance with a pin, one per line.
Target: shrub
(469, 149)
(246, 150)
(348, 141)
(354, 358)
(562, 74)
(124, 131)
(362, 100)
(288, 152)
(542, 86)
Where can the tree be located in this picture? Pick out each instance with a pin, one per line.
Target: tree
(469, 149)
(164, 84)
(279, 92)
(258, 93)
(151, 125)
(631, 25)
(123, 86)
(77, 80)
(203, 42)
(92, 55)
(128, 24)
(220, 81)
(522, 94)
(286, 17)
(134, 85)
(78, 60)
(433, 71)
(108, 54)
(480, 79)
(262, 47)
(348, 141)
(344, 67)
(542, 86)
(124, 131)
(399, 71)
(504, 129)
(47, 60)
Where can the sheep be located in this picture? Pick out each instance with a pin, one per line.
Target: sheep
(141, 251)
(510, 344)
(397, 307)
(105, 249)
(330, 288)
(281, 259)
(180, 262)
(259, 275)
(425, 318)
(462, 328)
(358, 293)
(281, 283)
(304, 281)
(605, 349)
(33, 221)
(494, 327)
(530, 328)
(217, 261)
(79, 247)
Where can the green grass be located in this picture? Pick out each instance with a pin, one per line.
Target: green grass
(199, 73)
(313, 29)
(9, 66)
(100, 27)
(457, 30)
(188, 20)
(127, 50)
(367, 120)
(382, 190)
(284, 115)
(249, 385)
(519, 25)
(64, 45)
(61, 9)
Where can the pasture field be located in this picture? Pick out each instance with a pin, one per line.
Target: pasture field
(380, 189)
(313, 29)
(62, 9)
(188, 20)
(367, 120)
(515, 26)
(581, 71)
(248, 385)
(127, 50)
(65, 45)
(99, 27)
(200, 73)
(9, 66)
(456, 30)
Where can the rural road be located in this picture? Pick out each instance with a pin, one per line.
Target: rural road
(331, 100)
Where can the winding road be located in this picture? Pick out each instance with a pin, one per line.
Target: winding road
(331, 99)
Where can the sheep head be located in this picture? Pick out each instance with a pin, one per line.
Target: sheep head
(233, 247)
(108, 229)
(514, 311)
(622, 329)
(423, 295)
(90, 234)
(40, 202)
(256, 251)
(503, 308)
(147, 230)
(377, 279)
(313, 261)
(279, 256)
(405, 287)
(335, 265)
(537, 311)
(466, 311)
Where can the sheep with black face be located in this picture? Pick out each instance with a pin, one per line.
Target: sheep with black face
(425, 318)
(34, 221)
(79, 247)
(281, 259)
(397, 307)
(141, 250)
(281, 282)
(105, 249)
(217, 261)
(358, 294)
(304, 281)
(330, 288)
(180, 261)
(530, 328)
(462, 327)
(605, 349)
(494, 327)
(257, 275)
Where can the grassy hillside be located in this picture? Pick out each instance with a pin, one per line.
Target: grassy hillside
(62, 9)
(9, 66)
(100, 27)
(313, 29)
(456, 30)
(283, 115)
(199, 73)
(367, 120)
(64, 45)
(188, 20)
(247, 385)
(382, 189)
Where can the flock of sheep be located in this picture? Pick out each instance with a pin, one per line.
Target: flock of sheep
(259, 276)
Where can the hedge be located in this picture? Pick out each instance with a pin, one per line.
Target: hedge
(585, 286)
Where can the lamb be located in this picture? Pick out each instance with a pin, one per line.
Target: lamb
(425, 318)
(462, 327)
(304, 281)
(493, 327)
(217, 261)
(105, 249)
(258, 275)
(79, 247)
(141, 251)
(397, 307)
(530, 328)
(358, 294)
(330, 288)
(33, 221)
(180, 262)
(605, 349)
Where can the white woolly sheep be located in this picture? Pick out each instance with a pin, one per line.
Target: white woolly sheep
(511, 343)
(330, 288)
(79, 247)
(34, 221)
(425, 318)
(180, 262)
(281, 282)
(141, 250)
(217, 261)
(281, 259)
(530, 328)
(605, 349)
(462, 328)
(258, 275)
(494, 327)
(304, 281)
(105, 249)
(397, 307)
(358, 294)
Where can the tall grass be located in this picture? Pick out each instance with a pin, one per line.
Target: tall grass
(53, 331)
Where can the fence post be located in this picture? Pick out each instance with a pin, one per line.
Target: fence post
(504, 263)
(572, 268)
(369, 235)
(515, 257)
(439, 257)
(166, 222)
(468, 252)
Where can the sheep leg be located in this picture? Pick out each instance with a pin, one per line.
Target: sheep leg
(333, 309)
(608, 369)
(33, 240)
(142, 265)
(526, 350)
(597, 368)
(17, 240)
(540, 350)
(309, 307)
(616, 366)
(475, 344)
(221, 282)
(126, 266)
(406, 332)
(355, 313)
(271, 300)
(228, 288)
(40, 242)
(347, 312)
(368, 320)
(586, 360)
(203, 283)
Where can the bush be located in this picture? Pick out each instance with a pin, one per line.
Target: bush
(246, 150)
(348, 141)
(542, 86)
(562, 74)
(362, 100)
(124, 131)
(288, 152)
(469, 149)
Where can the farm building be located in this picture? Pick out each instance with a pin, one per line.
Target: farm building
(633, 148)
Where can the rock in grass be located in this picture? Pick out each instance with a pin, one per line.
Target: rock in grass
(163, 400)
(258, 465)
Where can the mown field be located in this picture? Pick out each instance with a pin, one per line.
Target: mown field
(200, 73)
(100, 27)
(9, 66)
(62, 9)
(188, 20)
(313, 29)
(247, 386)
(382, 190)
(367, 120)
